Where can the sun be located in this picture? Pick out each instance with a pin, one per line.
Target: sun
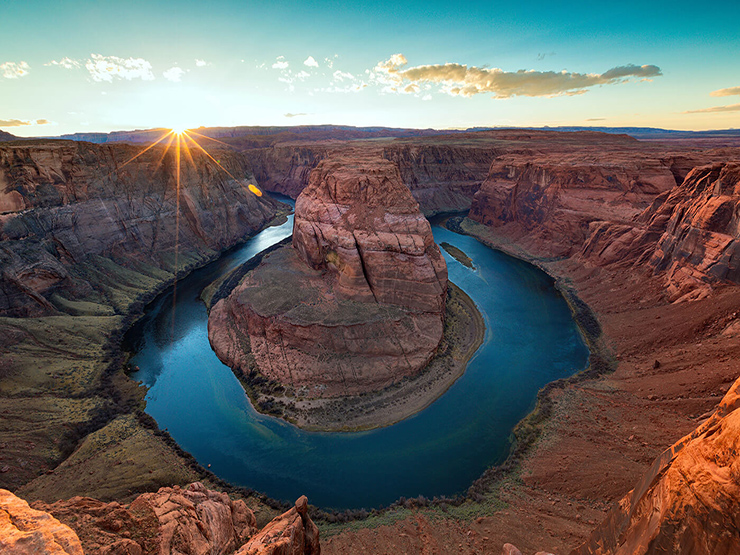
(179, 130)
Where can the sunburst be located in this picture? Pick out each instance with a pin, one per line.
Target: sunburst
(181, 139)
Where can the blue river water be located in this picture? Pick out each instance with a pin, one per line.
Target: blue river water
(530, 340)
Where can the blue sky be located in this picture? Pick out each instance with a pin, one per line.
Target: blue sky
(102, 66)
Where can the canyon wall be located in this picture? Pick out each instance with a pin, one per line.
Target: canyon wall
(75, 217)
(443, 174)
(356, 304)
(690, 234)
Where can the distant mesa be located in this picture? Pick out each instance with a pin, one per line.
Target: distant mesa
(356, 304)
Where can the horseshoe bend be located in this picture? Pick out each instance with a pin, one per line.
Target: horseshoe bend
(352, 324)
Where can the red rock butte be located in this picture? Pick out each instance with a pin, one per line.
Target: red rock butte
(357, 304)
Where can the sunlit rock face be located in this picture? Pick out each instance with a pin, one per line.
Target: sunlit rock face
(171, 521)
(691, 235)
(26, 531)
(70, 212)
(357, 303)
(688, 501)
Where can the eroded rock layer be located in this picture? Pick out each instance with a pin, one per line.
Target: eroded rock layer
(172, 521)
(356, 304)
(73, 216)
(691, 234)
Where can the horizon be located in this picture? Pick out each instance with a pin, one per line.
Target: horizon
(412, 65)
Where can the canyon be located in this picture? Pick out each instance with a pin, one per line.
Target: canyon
(642, 233)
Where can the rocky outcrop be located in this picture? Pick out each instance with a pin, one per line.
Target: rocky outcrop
(357, 220)
(691, 235)
(172, 521)
(688, 501)
(71, 214)
(292, 532)
(356, 304)
(26, 531)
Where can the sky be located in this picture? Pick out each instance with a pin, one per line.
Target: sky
(81, 66)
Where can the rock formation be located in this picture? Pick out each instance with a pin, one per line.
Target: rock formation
(690, 234)
(688, 501)
(443, 173)
(551, 198)
(26, 531)
(291, 532)
(172, 521)
(71, 214)
(359, 300)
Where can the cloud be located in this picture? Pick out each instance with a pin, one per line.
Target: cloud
(596, 119)
(342, 75)
(66, 63)
(715, 109)
(542, 55)
(105, 68)
(732, 91)
(461, 80)
(202, 63)
(289, 115)
(174, 74)
(310, 62)
(280, 63)
(12, 70)
(19, 123)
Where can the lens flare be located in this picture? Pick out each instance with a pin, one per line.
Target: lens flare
(255, 190)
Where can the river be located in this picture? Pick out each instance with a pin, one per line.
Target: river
(530, 340)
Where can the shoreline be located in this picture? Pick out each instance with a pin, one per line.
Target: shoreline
(394, 403)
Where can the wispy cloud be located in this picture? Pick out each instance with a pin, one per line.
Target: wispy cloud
(310, 62)
(13, 70)
(66, 63)
(280, 63)
(202, 63)
(106, 68)
(596, 119)
(174, 74)
(461, 80)
(732, 91)
(289, 115)
(542, 55)
(715, 109)
(20, 123)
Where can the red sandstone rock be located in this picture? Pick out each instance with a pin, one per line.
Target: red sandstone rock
(553, 196)
(357, 304)
(291, 533)
(358, 219)
(67, 208)
(172, 521)
(25, 531)
(689, 500)
(689, 234)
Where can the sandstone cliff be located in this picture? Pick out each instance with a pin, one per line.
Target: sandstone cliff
(356, 304)
(172, 521)
(690, 234)
(443, 173)
(688, 501)
(77, 218)
(550, 198)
